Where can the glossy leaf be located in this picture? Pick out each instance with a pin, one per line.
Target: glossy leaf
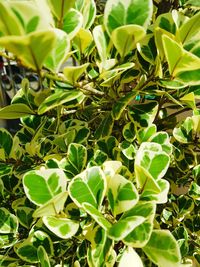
(101, 42)
(97, 216)
(77, 156)
(8, 222)
(62, 227)
(30, 16)
(60, 7)
(28, 250)
(129, 132)
(143, 114)
(162, 249)
(122, 194)
(124, 227)
(141, 234)
(43, 257)
(52, 207)
(100, 248)
(41, 186)
(83, 40)
(6, 142)
(105, 127)
(9, 24)
(153, 159)
(126, 37)
(59, 52)
(89, 187)
(32, 49)
(69, 98)
(88, 11)
(119, 13)
(121, 104)
(129, 255)
(15, 111)
(181, 60)
(24, 215)
(73, 21)
(72, 74)
(189, 29)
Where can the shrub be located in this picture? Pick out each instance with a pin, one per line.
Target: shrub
(93, 176)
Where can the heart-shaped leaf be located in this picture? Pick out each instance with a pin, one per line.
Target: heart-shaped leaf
(119, 12)
(41, 186)
(126, 37)
(88, 187)
(122, 194)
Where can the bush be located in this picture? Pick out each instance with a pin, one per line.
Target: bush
(103, 171)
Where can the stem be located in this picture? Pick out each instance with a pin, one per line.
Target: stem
(60, 21)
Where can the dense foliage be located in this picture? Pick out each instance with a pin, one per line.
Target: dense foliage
(103, 171)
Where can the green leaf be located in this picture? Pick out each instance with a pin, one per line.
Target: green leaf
(62, 227)
(41, 186)
(59, 52)
(88, 187)
(118, 13)
(72, 74)
(121, 104)
(15, 111)
(73, 21)
(31, 16)
(126, 37)
(153, 159)
(77, 156)
(124, 227)
(43, 257)
(143, 115)
(9, 24)
(122, 194)
(147, 48)
(100, 249)
(162, 249)
(145, 134)
(105, 127)
(32, 49)
(7, 241)
(111, 76)
(194, 191)
(52, 207)
(59, 97)
(8, 222)
(101, 42)
(107, 145)
(166, 22)
(162, 138)
(184, 133)
(182, 60)
(97, 216)
(28, 250)
(128, 256)
(83, 40)
(141, 234)
(6, 141)
(88, 10)
(129, 132)
(60, 7)
(24, 215)
(190, 29)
